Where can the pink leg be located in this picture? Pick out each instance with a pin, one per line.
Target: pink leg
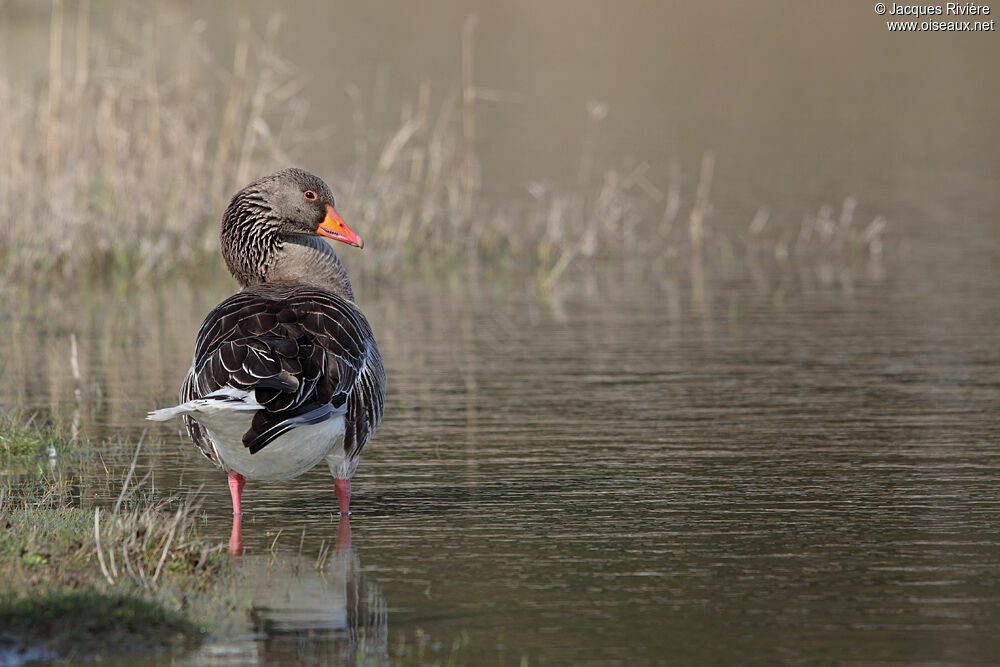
(236, 537)
(344, 533)
(236, 482)
(343, 488)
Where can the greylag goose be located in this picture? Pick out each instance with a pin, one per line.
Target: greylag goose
(286, 372)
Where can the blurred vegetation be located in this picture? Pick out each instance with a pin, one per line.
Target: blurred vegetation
(122, 161)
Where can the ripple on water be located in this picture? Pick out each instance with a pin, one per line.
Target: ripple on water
(818, 481)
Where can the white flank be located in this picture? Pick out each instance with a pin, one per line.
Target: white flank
(226, 416)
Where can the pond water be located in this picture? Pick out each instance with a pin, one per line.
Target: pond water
(799, 466)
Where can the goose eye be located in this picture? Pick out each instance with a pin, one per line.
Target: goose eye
(310, 195)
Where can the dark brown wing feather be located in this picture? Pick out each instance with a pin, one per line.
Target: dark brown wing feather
(297, 348)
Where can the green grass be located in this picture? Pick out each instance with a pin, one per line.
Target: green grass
(24, 439)
(83, 582)
(88, 623)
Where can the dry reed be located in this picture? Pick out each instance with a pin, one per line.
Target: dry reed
(122, 163)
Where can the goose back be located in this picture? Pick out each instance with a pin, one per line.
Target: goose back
(297, 347)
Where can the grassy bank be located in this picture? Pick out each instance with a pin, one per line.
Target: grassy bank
(121, 158)
(23, 441)
(84, 582)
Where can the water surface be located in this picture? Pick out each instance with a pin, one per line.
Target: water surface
(639, 472)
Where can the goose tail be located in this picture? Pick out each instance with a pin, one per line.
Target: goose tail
(225, 400)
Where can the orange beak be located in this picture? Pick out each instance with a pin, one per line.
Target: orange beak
(334, 227)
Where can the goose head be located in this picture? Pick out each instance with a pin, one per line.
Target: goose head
(266, 226)
(292, 202)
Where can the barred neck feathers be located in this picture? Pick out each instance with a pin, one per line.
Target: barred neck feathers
(249, 237)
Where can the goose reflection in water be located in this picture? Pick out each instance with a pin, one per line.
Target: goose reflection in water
(296, 612)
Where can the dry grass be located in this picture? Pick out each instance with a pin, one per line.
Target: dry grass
(137, 576)
(121, 162)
